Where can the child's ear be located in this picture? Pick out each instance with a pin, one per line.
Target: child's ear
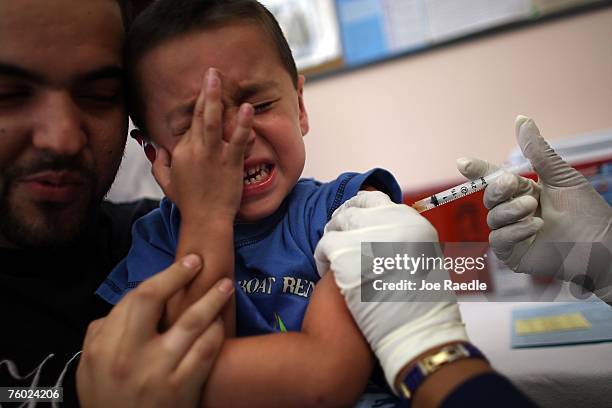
(137, 135)
(150, 152)
(303, 115)
(149, 149)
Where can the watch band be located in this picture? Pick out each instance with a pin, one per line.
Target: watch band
(430, 364)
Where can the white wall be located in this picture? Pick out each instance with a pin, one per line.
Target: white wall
(416, 115)
(134, 179)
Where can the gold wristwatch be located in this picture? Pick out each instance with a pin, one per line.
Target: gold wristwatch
(432, 363)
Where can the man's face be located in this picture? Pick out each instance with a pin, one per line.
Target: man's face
(250, 71)
(62, 116)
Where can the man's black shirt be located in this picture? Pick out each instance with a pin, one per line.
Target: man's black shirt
(47, 300)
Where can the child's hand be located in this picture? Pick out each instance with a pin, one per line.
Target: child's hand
(205, 175)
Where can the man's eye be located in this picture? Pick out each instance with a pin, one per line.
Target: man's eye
(100, 92)
(100, 97)
(9, 95)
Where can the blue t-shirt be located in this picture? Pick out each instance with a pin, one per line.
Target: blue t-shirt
(275, 270)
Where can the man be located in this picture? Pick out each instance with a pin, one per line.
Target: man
(63, 126)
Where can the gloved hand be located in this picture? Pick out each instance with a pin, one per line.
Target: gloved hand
(528, 218)
(396, 331)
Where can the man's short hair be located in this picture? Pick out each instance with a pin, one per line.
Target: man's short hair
(168, 19)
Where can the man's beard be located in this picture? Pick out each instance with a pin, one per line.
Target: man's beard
(46, 225)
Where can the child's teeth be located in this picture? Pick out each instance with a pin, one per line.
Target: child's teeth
(255, 174)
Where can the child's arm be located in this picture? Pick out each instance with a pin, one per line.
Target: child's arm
(327, 364)
(205, 181)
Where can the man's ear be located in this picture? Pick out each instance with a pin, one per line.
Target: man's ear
(303, 115)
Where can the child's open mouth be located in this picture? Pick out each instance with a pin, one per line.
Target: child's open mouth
(257, 174)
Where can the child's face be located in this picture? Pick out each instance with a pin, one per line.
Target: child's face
(250, 71)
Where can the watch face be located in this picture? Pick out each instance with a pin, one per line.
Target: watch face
(446, 355)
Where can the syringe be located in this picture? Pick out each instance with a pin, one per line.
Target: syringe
(467, 188)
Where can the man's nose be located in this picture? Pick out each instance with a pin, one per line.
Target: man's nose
(61, 129)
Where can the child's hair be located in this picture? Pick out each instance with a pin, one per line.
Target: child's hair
(167, 19)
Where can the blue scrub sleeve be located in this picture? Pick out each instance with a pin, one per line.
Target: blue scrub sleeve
(487, 390)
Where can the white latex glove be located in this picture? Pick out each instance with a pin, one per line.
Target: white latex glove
(396, 331)
(527, 218)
